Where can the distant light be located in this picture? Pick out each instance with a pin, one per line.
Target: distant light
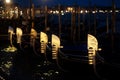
(101, 11)
(70, 9)
(56, 11)
(62, 13)
(117, 11)
(1, 7)
(93, 12)
(81, 11)
(8, 1)
(21, 13)
(86, 11)
(106, 11)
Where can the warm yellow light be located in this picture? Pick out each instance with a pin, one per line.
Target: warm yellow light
(43, 37)
(55, 41)
(43, 41)
(90, 61)
(33, 33)
(11, 32)
(33, 36)
(92, 45)
(70, 9)
(7, 1)
(92, 42)
(55, 46)
(81, 11)
(10, 49)
(19, 33)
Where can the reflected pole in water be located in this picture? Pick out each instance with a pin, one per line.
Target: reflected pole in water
(46, 19)
(89, 17)
(113, 24)
(79, 24)
(95, 20)
(73, 25)
(107, 22)
(59, 20)
(113, 16)
(30, 8)
(32, 16)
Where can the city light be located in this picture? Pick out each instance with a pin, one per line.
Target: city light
(7, 1)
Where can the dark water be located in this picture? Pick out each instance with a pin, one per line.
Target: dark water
(26, 65)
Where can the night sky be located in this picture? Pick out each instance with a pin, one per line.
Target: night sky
(68, 2)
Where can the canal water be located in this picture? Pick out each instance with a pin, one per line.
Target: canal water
(26, 65)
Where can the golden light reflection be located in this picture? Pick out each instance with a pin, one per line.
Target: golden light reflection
(19, 33)
(55, 46)
(43, 41)
(92, 44)
(10, 32)
(10, 49)
(33, 36)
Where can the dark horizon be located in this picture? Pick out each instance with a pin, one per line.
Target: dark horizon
(83, 3)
